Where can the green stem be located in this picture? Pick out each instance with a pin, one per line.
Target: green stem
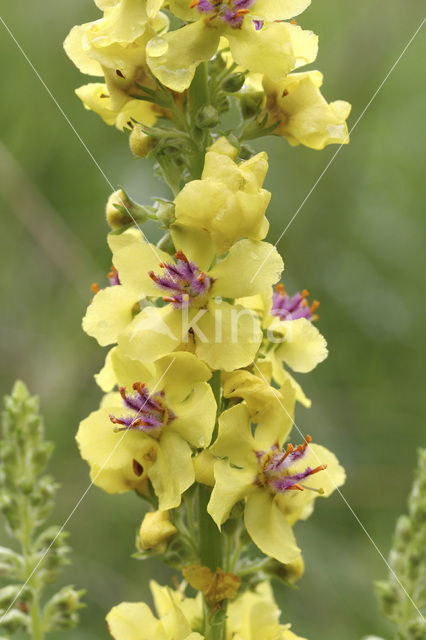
(32, 578)
(199, 96)
(210, 538)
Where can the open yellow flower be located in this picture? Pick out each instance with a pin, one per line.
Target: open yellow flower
(255, 616)
(112, 308)
(135, 620)
(95, 98)
(290, 337)
(114, 47)
(195, 316)
(171, 410)
(279, 486)
(303, 114)
(228, 202)
(271, 409)
(259, 39)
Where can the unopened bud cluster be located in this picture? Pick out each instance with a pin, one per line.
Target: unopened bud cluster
(39, 551)
(406, 585)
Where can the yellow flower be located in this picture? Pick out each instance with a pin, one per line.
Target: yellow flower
(255, 616)
(95, 98)
(135, 620)
(112, 308)
(304, 116)
(171, 410)
(155, 531)
(290, 337)
(259, 39)
(114, 47)
(228, 201)
(272, 410)
(195, 316)
(279, 486)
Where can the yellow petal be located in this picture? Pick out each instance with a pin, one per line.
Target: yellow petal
(270, 409)
(109, 454)
(229, 336)
(268, 51)
(174, 56)
(195, 244)
(249, 268)
(152, 334)
(231, 486)
(303, 346)
(106, 379)
(235, 440)
(134, 263)
(172, 472)
(279, 9)
(196, 416)
(268, 527)
(134, 621)
(109, 313)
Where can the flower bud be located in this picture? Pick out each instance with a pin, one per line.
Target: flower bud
(14, 620)
(61, 610)
(250, 103)
(417, 628)
(207, 117)
(165, 213)
(234, 82)
(155, 530)
(121, 211)
(11, 563)
(140, 143)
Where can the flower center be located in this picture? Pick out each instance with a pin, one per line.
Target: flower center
(293, 307)
(148, 412)
(275, 468)
(183, 281)
(230, 12)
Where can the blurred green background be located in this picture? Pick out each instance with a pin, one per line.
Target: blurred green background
(356, 244)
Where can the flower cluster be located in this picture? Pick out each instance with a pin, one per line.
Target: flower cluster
(138, 44)
(253, 615)
(204, 341)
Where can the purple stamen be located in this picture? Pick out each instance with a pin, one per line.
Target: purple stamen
(230, 12)
(183, 281)
(113, 277)
(294, 307)
(275, 468)
(149, 412)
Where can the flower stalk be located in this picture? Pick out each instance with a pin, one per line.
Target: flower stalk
(40, 551)
(203, 338)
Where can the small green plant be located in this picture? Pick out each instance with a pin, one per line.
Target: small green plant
(403, 595)
(39, 550)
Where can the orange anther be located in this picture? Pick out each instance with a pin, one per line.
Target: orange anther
(138, 386)
(181, 256)
(94, 287)
(193, 4)
(305, 293)
(321, 467)
(296, 486)
(153, 276)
